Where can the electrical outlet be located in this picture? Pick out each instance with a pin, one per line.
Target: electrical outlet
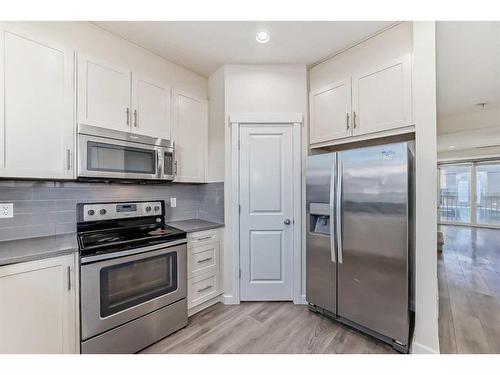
(6, 210)
(173, 202)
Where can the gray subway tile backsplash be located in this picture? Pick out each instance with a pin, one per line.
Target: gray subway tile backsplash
(44, 208)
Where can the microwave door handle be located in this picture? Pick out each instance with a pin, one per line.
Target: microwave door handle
(159, 169)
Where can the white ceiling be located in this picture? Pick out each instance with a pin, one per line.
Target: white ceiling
(468, 68)
(204, 46)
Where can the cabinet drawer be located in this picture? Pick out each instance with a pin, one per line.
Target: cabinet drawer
(202, 288)
(202, 238)
(203, 259)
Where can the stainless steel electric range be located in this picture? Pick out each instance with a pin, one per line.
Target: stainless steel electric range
(133, 276)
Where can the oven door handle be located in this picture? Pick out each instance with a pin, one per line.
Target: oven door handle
(141, 253)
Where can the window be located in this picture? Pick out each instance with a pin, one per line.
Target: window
(469, 193)
(455, 193)
(488, 193)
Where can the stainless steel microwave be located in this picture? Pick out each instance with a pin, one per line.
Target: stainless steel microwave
(111, 154)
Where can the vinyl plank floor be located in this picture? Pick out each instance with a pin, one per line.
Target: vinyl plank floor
(469, 290)
(265, 328)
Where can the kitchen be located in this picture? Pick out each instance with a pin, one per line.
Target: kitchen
(140, 197)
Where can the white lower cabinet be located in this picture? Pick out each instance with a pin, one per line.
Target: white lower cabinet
(204, 282)
(202, 288)
(38, 306)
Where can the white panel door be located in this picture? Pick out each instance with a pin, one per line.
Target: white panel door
(150, 107)
(191, 137)
(38, 302)
(381, 97)
(36, 110)
(266, 199)
(330, 112)
(104, 93)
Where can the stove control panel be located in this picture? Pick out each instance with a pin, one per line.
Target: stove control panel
(110, 211)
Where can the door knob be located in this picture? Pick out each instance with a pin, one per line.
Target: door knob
(287, 221)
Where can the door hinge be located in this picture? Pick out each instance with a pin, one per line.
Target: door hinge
(238, 144)
(239, 208)
(240, 273)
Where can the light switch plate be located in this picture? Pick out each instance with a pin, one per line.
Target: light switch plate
(173, 202)
(6, 210)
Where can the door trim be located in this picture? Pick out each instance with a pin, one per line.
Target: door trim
(295, 120)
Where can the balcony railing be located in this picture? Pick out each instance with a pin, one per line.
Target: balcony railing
(487, 209)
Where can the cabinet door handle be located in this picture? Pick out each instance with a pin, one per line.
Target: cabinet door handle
(354, 120)
(204, 260)
(347, 120)
(69, 278)
(205, 288)
(135, 118)
(204, 238)
(128, 116)
(68, 159)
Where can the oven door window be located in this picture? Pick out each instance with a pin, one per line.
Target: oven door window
(106, 157)
(129, 284)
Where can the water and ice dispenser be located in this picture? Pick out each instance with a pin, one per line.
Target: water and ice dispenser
(319, 218)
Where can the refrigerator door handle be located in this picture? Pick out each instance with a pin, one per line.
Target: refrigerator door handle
(338, 208)
(332, 214)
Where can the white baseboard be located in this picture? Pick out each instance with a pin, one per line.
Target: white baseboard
(417, 348)
(228, 299)
(204, 305)
(301, 300)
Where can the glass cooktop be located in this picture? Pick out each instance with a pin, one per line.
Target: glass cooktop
(123, 238)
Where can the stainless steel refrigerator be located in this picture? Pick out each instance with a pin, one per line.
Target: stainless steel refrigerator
(360, 238)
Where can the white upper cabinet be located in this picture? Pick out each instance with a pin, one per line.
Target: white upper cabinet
(381, 97)
(113, 97)
(104, 94)
(377, 102)
(330, 109)
(38, 313)
(190, 132)
(36, 107)
(150, 107)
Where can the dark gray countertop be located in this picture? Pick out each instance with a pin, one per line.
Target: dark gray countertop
(194, 225)
(24, 250)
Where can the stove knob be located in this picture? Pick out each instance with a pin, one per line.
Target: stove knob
(102, 211)
(157, 208)
(148, 209)
(90, 212)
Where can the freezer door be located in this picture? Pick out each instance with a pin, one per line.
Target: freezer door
(321, 287)
(373, 272)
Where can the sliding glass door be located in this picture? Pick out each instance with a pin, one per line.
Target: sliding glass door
(469, 193)
(488, 193)
(455, 193)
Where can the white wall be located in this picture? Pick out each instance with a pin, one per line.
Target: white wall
(426, 336)
(266, 88)
(469, 154)
(257, 88)
(217, 120)
(89, 39)
(468, 121)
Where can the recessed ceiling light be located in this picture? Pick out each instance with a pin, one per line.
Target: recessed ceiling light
(263, 36)
(452, 147)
